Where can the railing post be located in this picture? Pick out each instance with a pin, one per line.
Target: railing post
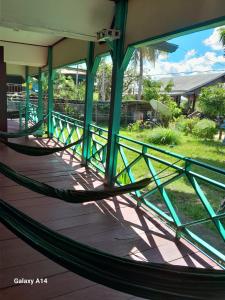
(27, 100)
(92, 65)
(3, 92)
(20, 116)
(50, 93)
(116, 91)
(40, 101)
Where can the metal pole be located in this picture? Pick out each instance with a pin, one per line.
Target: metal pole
(92, 66)
(3, 92)
(50, 93)
(27, 100)
(40, 100)
(116, 91)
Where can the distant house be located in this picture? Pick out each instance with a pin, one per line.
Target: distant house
(190, 86)
(78, 74)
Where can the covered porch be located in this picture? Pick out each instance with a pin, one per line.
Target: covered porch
(114, 225)
(148, 225)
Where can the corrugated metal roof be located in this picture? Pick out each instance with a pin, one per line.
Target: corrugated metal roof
(184, 84)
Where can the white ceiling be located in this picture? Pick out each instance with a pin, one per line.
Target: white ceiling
(80, 19)
(27, 26)
(27, 37)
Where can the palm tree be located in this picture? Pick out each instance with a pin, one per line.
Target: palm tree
(149, 53)
(222, 36)
(140, 55)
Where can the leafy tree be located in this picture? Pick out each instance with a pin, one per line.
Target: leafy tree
(222, 35)
(130, 78)
(65, 87)
(211, 100)
(103, 80)
(151, 89)
(155, 90)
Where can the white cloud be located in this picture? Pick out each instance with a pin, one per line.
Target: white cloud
(190, 53)
(163, 56)
(213, 41)
(190, 65)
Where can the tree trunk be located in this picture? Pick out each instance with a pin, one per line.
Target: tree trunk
(140, 81)
(103, 85)
(77, 76)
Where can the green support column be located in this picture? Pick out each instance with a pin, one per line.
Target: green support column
(3, 92)
(50, 93)
(116, 92)
(92, 66)
(27, 101)
(40, 100)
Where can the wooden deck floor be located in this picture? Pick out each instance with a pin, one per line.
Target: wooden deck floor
(113, 225)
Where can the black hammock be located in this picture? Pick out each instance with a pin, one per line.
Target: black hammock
(21, 133)
(38, 151)
(73, 196)
(148, 280)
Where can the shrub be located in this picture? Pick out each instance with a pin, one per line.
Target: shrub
(140, 125)
(164, 136)
(211, 100)
(205, 129)
(186, 125)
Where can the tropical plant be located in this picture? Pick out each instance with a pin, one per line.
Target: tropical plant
(205, 129)
(150, 54)
(140, 125)
(211, 100)
(164, 136)
(186, 125)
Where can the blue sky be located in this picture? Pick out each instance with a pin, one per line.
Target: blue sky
(197, 52)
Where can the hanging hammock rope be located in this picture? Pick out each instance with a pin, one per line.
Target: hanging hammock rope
(73, 196)
(38, 151)
(25, 132)
(148, 280)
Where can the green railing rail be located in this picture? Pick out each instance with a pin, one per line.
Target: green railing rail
(67, 130)
(186, 193)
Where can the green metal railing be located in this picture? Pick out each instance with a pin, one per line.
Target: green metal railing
(186, 193)
(193, 212)
(98, 138)
(33, 113)
(67, 130)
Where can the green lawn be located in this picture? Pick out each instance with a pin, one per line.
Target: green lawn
(211, 152)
